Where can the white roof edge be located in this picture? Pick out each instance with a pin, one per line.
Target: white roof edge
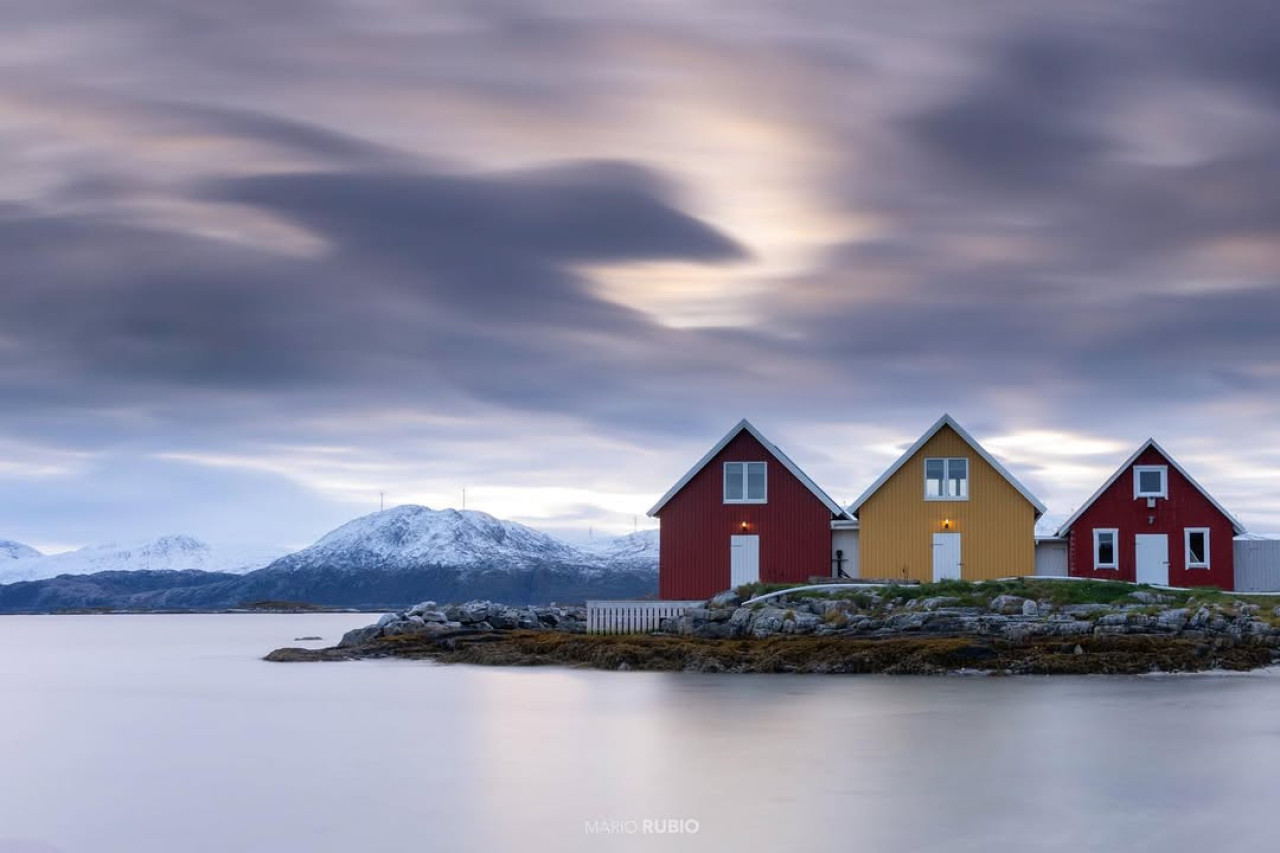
(772, 448)
(1128, 463)
(947, 420)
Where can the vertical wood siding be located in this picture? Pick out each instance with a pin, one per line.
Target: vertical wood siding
(996, 524)
(1051, 559)
(1257, 565)
(1185, 507)
(695, 525)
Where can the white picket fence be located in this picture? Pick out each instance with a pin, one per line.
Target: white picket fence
(632, 617)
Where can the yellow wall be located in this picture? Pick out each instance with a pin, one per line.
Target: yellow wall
(996, 524)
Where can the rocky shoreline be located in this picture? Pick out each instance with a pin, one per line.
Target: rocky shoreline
(892, 630)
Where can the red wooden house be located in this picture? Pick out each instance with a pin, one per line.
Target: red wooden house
(744, 513)
(1152, 523)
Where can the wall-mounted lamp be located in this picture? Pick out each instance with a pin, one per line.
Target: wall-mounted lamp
(1151, 519)
(744, 525)
(946, 524)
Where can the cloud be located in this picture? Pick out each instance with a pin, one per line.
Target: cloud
(1027, 124)
(419, 224)
(429, 286)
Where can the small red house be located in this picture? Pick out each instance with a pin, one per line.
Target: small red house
(1152, 523)
(744, 513)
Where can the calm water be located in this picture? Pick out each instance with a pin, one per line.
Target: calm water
(166, 733)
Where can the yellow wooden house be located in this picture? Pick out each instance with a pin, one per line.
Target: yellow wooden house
(946, 509)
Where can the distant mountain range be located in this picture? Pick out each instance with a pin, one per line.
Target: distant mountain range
(172, 553)
(387, 559)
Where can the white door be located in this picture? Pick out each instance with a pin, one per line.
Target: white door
(844, 549)
(1151, 553)
(744, 560)
(946, 556)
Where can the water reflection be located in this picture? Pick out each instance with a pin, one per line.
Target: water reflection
(161, 733)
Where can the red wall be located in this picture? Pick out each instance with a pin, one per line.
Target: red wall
(794, 528)
(1185, 507)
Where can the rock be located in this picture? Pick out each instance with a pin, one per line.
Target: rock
(1201, 618)
(803, 623)
(1149, 597)
(1079, 650)
(719, 631)
(937, 601)
(1030, 608)
(360, 636)
(728, 598)
(417, 620)
(473, 611)
(1275, 611)
(396, 629)
(1067, 627)
(946, 623)
(388, 618)
(422, 607)
(504, 617)
(1085, 610)
(767, 620)
(1007, 604)
(1172, 620)
(433, 616)
(1018, 630)
(905, 621)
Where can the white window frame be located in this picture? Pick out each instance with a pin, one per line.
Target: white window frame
(745, 479)
(1139, 470)
(1114, 565)
(946, 477)
(1186, 547)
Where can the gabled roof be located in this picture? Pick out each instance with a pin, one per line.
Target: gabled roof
(744, 424)
(945, 421)
(1152, 444)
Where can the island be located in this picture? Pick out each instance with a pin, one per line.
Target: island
(1022, 626)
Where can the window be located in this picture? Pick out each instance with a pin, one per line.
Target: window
(946, 479)
(1105, 549)
(744, 483)
(1150, 481)
(1197, 547)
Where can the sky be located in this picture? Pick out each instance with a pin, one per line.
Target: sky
(261, 262)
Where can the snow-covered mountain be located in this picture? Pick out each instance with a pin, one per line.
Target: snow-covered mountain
(633, 551)
(412, 553)
(415, 537)
(10, 550)
(177, 552)
(387, 559)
